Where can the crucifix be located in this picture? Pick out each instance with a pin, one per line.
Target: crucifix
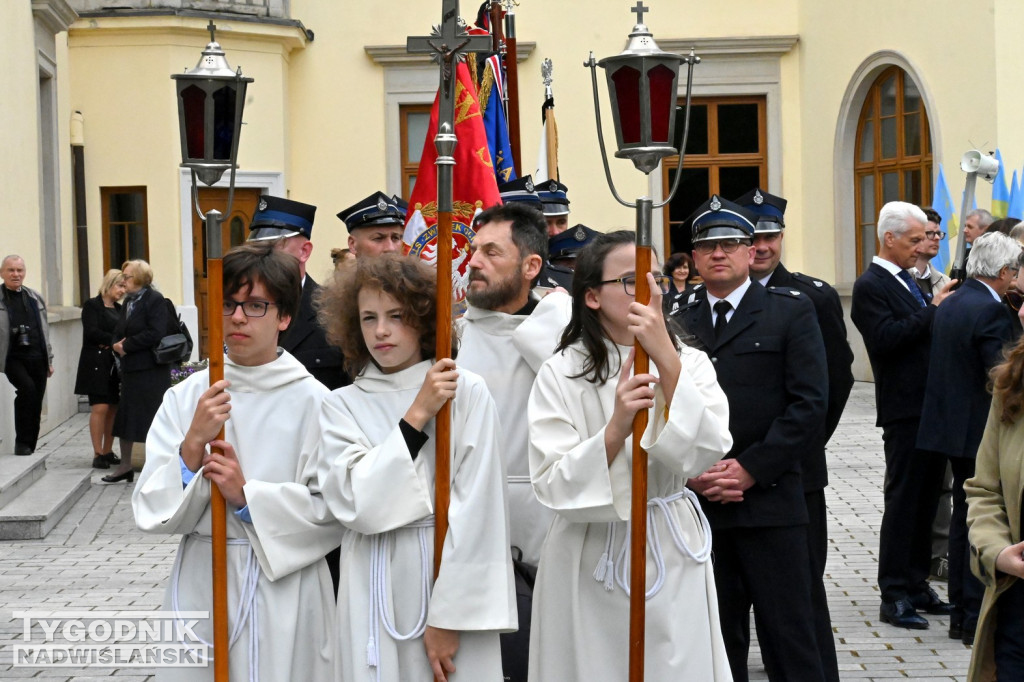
(447, 45)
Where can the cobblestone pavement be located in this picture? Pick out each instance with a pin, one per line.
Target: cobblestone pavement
(95, 559)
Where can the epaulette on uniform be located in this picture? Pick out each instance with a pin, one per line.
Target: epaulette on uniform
(813, 281)
(787, 292)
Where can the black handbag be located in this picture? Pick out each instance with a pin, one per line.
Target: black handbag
(176, 346)
(172, 349)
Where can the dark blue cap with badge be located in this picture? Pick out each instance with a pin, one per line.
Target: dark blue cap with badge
(374, 211)
(520, 189)
(567, 244)
(769, 208)
(276, 218)
(719, 218)
(552, 195)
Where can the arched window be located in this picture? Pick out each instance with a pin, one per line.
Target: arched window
(893, 160)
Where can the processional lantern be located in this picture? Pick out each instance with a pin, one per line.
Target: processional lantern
(642, 86)
(642, 82)
(210, 101)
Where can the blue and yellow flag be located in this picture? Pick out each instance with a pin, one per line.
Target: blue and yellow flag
(1000, 193)
(492, 96)
(1016, 207)
(942, 202)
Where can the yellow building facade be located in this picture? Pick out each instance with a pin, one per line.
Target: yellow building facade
(324, 116)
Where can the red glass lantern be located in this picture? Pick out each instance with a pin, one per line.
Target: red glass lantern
(642, 86)
(210, 101)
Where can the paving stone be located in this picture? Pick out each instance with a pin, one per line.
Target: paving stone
(95, 559)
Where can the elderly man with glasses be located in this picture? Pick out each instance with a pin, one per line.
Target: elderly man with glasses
(767, 349)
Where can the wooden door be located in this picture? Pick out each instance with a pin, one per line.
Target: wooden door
(234, 230)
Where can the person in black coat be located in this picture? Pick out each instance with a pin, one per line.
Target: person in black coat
(892, 315)
(770, 359)
(969, 334)
(144, 321)
(290, 225)
(97, 376)
(768, 270)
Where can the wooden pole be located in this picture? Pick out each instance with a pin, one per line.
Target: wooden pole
(512, 90)
(442, 422)
(447, 46)
(638, 506)
(218, 511)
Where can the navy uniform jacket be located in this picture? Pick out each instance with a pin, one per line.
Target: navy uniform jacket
(969, 332)
(771, 364)
(307, 341)
(838, 354)
(897, 335)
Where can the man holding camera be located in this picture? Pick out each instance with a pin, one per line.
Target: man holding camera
(25, 354)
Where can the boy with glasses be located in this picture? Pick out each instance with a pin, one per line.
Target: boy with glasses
(279, 528)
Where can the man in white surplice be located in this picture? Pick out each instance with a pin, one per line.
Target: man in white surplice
(509, 250)
(280, 602)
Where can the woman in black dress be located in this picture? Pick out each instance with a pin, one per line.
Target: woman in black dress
(97, 375)
(143, 323)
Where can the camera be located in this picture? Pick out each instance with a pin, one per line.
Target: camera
(20, 334)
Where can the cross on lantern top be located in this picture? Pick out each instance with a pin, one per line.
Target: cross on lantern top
(212, 28)
(640, 9)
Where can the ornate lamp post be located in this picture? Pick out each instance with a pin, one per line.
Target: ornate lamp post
(210, 101)
(642, 83)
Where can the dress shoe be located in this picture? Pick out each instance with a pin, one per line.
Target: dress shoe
(968, 638)
(902, 614)
(22, 450)
(929, 602)
(126, 476)
(100, 462)
(111, 458)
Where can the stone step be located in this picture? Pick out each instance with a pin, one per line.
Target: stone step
(40, 506)
(18, 473)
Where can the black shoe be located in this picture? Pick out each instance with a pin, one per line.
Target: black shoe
(968, 638)
(902, 614)
(956, 625)
(111, 458)
(22, 450)
(126, 476)
(100, 462)
(929, 602)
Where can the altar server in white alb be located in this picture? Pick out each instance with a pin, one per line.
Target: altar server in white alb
(581, 413)
(280, 601)
(395, 624)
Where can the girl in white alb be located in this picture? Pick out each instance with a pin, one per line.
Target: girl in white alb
(581, 413)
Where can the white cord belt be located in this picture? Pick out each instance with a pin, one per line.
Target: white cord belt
(245, 610)
(380, 549)
(610, 572)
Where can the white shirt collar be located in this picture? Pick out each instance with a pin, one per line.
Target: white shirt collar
(734, 298)
(990, 290)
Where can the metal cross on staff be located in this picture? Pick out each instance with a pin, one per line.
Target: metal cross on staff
(447, 44)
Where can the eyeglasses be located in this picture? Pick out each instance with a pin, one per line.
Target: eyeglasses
(249, 308)
(629, 283)
(935, 235)
(728, 245)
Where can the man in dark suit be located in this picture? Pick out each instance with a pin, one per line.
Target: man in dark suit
(770, 359)
(290, 224)
(892, 315)
(768, 270)
(969, 334)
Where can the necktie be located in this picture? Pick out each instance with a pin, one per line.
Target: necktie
(721, 309)
(914, 289)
